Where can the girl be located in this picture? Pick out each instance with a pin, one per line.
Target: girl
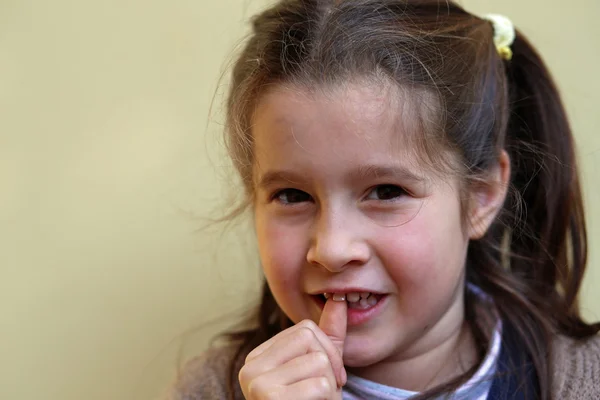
(412, 177)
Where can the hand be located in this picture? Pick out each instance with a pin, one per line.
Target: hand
(303, 362)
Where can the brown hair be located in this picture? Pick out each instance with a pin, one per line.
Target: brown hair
(532, 259)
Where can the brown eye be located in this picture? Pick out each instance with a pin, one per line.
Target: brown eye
(386, 192)
(291, 196)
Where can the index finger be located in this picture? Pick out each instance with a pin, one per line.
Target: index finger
(334, 323)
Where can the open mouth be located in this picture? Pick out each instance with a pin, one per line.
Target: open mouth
(355, 300)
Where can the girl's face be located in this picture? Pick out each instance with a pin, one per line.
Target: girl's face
(343, 206)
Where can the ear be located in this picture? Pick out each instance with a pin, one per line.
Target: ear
(487, 197)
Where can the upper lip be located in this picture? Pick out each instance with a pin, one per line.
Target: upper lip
(344, 290)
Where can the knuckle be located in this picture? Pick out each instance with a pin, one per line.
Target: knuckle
(257, 389)
(305, 334)
(320, 361)
(248, 358)
(307, 323)
(272, 395)
(242, 376)
(245, 376)
(323, 386)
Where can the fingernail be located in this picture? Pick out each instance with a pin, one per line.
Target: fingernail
(344, 376)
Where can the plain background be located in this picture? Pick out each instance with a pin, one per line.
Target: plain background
(109, 158)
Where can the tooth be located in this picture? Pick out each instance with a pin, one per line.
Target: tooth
(364, 303)
(353, 297)
(327, 295)
(371, 301)
(364, 295)
(339, 297)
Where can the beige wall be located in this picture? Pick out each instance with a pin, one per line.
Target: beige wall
(106, 155)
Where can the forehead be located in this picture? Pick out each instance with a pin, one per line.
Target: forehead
(361, 122)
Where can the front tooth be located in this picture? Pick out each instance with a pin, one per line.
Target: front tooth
(327, 295)
(339, 297)
(364, 303)
(353, 297)
(371, 301)
(364, 295)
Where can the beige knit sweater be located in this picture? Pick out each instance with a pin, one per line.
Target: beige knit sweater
(575, 366)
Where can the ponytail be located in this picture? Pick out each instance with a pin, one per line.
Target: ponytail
(541, 240)
(545, 175)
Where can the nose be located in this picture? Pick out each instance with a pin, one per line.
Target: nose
(337, 243)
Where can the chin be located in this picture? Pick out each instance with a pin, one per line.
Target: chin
(360, 354)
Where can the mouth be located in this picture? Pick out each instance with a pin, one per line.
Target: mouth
(362, 306)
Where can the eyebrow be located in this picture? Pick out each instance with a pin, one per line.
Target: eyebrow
(361, 173)
(271, 178)
(374, 171)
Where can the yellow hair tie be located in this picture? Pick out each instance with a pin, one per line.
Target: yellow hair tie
(504, 34)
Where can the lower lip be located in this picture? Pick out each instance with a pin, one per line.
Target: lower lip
(357, 316)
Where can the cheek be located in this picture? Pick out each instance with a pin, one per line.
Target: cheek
(278, 244)
(409, 257)
(282, 258)
(427, 269)
(425, 260)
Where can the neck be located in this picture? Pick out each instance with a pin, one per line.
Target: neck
(443, 358)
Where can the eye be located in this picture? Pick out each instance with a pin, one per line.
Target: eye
(291, 196)
(386, 192)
